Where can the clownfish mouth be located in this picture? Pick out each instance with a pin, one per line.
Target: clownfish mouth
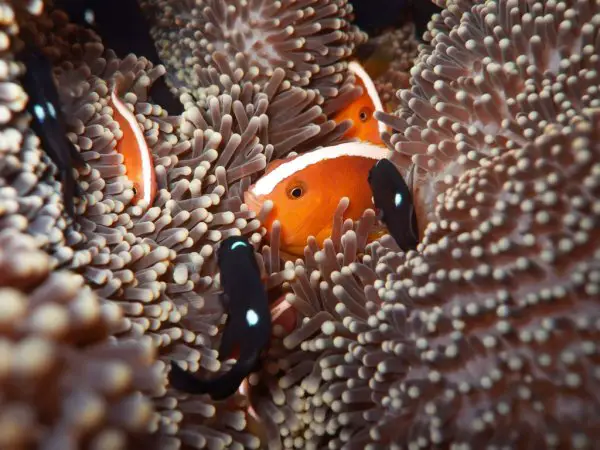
(253, 202)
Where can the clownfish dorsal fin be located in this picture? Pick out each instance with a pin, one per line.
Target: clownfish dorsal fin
(275, 163)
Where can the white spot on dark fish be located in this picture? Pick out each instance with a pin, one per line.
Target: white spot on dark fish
(251, 317)
(40, 113)
(398, 199)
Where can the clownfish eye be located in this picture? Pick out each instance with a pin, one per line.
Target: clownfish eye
(135, 191)
(296, 192)
(364, 114)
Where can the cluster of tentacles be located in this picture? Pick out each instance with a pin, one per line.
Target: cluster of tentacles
(485, 336)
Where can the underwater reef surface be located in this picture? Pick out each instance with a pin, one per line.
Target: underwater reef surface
(485, 336)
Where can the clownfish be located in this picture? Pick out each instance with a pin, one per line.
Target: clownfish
(248, 323)
(48, 123)
(361, 111)
(393, 199)
(135, 151)
(306, 189)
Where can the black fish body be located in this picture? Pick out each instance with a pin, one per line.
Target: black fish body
(48, 122)
(392, 197)
(248, 323)
(219, 388)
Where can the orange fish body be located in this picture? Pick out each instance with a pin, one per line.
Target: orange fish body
(306, 190)
(365, 127)
(135, 151)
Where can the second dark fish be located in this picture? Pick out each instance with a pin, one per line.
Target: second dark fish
(48, 122)
(248, 322)
(392, 197)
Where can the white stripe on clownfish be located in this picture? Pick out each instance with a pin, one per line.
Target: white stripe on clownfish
(268, 182)
(148, 181)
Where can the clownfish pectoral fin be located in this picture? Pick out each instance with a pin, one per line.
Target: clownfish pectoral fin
(325, 233)
(70, 190)
(377, 233)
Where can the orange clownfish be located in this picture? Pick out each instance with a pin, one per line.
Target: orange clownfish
(283, 315)
(135, 151)
(306, 189)
(365, 127)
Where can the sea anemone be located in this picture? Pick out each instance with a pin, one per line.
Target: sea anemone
(299, 397)
(302, 57)
(493, 76)
(413, 349)
(483, 336)
(65, 381)
(156, 262)
(278, 117)
(310, 40)
(504, 341)
(399, 47)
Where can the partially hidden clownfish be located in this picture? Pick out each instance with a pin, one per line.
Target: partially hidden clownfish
(306, 190)
(136, 153)
(361, 111)
(48, 122)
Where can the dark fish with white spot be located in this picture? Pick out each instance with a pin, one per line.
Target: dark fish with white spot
(393, 199)
(248, 322)
(48, 121)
